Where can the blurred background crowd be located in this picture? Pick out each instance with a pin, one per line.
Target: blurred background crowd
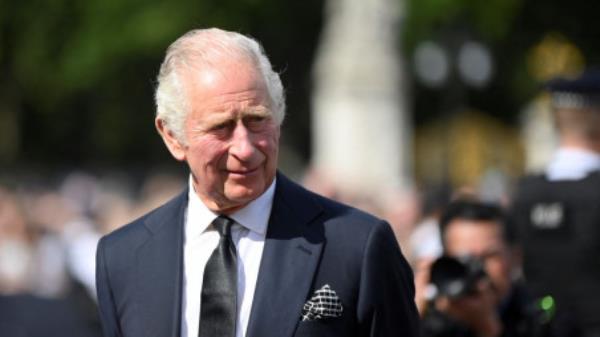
(394, 106)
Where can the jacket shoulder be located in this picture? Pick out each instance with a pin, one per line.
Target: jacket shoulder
(347, 223)
(136, 231)
(296, 194)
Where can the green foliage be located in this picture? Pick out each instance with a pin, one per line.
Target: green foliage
(71, 45)
(78, 76)
(491, 19)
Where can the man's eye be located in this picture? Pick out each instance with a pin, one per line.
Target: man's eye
(221, 126)
(256, 122)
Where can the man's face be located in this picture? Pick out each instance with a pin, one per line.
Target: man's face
(231, 136)
(484, 240)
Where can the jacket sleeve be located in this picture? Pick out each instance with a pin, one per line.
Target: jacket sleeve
(106, 303)
(386, 304)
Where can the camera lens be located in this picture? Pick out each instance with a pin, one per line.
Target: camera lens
(455, 278)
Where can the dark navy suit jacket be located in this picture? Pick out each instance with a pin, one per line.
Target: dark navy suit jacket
(311, 241)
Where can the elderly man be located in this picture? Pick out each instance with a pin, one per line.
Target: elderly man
(244, 251)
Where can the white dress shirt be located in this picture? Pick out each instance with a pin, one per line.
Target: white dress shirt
(572, 164)
(200, 241)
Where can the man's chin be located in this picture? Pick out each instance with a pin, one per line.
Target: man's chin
(243, 194)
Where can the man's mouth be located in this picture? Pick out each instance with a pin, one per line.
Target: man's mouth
(243, 172)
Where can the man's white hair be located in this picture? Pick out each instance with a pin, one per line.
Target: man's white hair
(203, 49)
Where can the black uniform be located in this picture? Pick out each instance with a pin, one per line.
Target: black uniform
(558, 224)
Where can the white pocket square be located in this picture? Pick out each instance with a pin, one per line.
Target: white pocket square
(323, 304)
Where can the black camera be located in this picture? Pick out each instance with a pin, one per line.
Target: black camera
(455, 277)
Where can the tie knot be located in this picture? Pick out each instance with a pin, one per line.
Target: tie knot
(223, 225)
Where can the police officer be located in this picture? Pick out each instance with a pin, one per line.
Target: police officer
(557, 213)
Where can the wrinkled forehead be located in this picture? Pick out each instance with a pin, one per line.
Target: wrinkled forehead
(230, 86)
(221, 70)
(228, 70)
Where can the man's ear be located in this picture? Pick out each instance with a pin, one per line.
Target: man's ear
(176, 148)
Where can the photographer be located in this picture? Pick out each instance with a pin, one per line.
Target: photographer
(473, 291)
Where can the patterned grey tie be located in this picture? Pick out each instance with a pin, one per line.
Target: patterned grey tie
(219, 289)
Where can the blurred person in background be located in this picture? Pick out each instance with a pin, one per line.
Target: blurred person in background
(474, 289)
(16, 246)
(425, 243)
(287, 262)
(25, 309)
(157, 188)
(557, 213)
(63, 242)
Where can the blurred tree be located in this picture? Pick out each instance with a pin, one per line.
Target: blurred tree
(511, 29)
(490, 19)
(77, 78)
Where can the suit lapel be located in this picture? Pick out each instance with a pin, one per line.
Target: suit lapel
(290, 258)
(159, 271)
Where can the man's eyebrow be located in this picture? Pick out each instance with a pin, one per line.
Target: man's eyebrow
(258, 111)
(223, 117)
(215, 119)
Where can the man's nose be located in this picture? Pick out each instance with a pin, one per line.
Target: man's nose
(241, 142)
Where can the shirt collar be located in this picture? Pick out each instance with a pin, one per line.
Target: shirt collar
(572, 164)
(255, 216)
